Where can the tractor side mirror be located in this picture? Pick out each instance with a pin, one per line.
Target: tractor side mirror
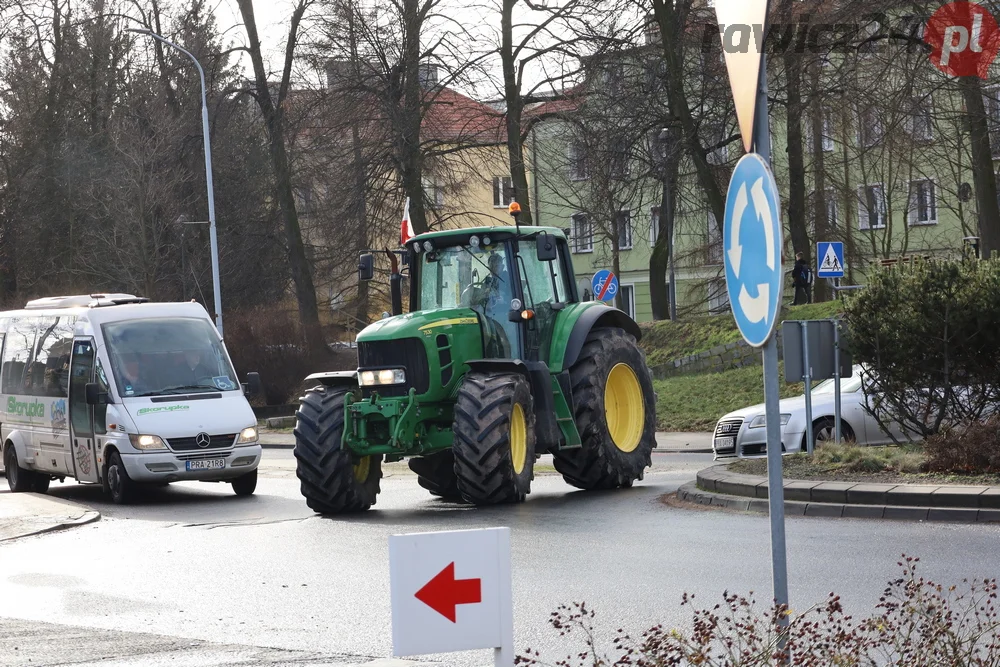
(545, 246)
(366, 266)
(94, 394)
(253, 386)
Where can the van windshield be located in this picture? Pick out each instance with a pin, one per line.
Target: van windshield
(167, 356)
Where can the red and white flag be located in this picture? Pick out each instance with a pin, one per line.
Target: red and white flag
(406, 228)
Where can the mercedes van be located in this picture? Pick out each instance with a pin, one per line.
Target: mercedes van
(113, 389)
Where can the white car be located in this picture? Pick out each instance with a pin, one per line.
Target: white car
(742, 433)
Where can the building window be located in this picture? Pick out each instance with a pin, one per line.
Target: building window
(870, 129)
(577, 156)
(627, 296)
(433, 192)
(503, 191)
(624, 224)
(827, 131)
(714, 241)
(304, 199)
(921, 121)
(619, 167)
(830, 202)
(923, 203)
(717, 153)
(654, 225)
(583, 233)
(718, 297)
(871, 207)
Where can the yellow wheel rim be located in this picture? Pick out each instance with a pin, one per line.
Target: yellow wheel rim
(518, 439)
(362, 468)
(624, 407)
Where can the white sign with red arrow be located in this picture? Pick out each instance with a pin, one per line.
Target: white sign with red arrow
(451, 591)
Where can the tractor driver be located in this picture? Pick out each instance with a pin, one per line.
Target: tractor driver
(495, 296)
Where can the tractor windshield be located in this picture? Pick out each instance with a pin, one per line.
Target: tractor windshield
(472, 277)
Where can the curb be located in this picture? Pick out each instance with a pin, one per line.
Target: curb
(89, 516)
(691, 493)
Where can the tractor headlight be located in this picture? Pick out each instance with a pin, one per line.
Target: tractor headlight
(416, 246)
(428, 246)
(760, 421)
(382, 377)
(147, 441)
(474, 241)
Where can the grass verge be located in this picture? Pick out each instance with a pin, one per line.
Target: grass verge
(847, 462)
(695, 402)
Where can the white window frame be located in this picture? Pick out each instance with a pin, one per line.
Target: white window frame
(631, 305)
(499, 183)
(828, 145)
(576, 159)
(863, 216)
(863, 126)
(627, 215)
(578, 249)
(654, 224)
(433, 191)
(911, 207)
(831, 200)
(925, 101)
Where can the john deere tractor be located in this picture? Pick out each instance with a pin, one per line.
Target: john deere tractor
(497, 363)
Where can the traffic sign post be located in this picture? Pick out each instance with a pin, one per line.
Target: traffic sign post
(604, 285)
(752, 269)
(451, 591)
(830, 258)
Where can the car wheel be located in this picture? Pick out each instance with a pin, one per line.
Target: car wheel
(824, 431)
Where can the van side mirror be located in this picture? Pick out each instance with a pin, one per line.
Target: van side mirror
(253, 386)
(366, 266)
(94, 394)
(545, 245)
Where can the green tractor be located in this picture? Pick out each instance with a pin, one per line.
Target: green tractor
(497, 363)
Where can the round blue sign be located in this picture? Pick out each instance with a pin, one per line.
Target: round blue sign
(752, 242)
(604, 285)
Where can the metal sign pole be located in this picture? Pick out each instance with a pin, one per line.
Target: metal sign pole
(807, 378)
(772, 412)
(836, 381)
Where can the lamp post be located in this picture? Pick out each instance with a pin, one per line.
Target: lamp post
(208, 171)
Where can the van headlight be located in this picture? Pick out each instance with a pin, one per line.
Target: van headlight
(760, 421)
(382, 377)
(146, 442)
(248, 436)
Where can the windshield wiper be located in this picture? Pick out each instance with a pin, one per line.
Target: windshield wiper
(179, 387)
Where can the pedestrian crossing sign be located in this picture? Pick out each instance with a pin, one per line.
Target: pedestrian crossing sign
(831, 259)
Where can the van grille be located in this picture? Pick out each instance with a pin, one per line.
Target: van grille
(406, 353)
(203, 455)
(191, 444)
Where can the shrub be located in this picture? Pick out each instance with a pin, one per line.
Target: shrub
(928, 334)
(270, 343)
(917, 623)
(973, 449)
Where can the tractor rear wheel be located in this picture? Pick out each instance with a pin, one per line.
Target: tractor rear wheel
(333, 481)
(614, 411)
(436, 473)
(494, 444)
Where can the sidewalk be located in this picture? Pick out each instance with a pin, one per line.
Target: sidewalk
(675, 443)
(24, 514)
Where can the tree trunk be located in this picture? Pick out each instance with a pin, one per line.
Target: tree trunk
(671, 19)
(796, 163)
(515, 107)
(983, 175)
(305, 292)
(659, 258)
(408, 151)
(819, 180)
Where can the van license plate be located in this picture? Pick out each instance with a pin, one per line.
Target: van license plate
(206, 464)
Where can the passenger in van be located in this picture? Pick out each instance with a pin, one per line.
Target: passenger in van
(192, 371)
(132, 379)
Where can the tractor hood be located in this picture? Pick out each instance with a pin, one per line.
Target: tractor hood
(424, 323)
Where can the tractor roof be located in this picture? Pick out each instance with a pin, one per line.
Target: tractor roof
(461, 235)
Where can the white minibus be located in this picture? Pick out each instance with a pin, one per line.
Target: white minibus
(115, 390)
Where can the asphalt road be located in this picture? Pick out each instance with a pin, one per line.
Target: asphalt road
(209, 578)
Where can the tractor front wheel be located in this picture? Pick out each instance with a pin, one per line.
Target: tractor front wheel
(614, 411)
(333, 481)
(494, 444)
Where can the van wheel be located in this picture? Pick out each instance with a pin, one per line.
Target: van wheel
(245, 485)
(18, 479)
(41, 483)
(121, 488)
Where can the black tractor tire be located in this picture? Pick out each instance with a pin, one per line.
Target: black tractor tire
(19, 479)
(494, 443)
(245, 485)
(601, 463)
(436, 473)
(120, 486)
(332, 479)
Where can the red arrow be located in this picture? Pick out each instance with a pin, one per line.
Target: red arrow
(443, 593)
(604, 289)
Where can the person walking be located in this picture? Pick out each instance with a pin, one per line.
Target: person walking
(800, 281)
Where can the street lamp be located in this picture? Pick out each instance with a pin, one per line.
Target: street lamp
(663, 137)
(208, 171)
